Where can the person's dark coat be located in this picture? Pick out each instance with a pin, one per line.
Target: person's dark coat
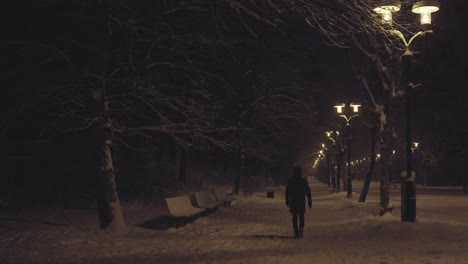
(297, 191)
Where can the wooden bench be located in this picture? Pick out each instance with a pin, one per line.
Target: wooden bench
(222, 197)
(181, 206)
(205, 199)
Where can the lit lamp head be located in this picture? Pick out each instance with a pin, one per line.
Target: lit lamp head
(425, 8)
(386, 7)
(328, 133)
(416, 144)
(355, 107)
(339, 108)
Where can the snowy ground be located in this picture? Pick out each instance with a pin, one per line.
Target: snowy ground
(256, 230)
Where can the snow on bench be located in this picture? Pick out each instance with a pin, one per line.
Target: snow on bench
(205, 199)
(181, 206)
(222, 197)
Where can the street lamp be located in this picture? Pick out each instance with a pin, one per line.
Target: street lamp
(340, 109)
(425, 9)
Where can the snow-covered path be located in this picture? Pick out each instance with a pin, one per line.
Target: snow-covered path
(258, 230)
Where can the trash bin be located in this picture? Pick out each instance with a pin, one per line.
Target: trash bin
(271, 194)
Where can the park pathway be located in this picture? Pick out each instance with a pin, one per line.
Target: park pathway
(258, 230)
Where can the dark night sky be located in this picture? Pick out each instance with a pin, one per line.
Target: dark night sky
(439, 110)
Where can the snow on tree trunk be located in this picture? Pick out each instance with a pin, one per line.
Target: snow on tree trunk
(385, 154)
(110, 212)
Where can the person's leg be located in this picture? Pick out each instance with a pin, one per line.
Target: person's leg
(294, 222)
(301, 223)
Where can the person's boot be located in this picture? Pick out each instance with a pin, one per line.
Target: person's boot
(297, 235)
(301, 233)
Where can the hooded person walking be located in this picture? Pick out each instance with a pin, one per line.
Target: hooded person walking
(297, 190)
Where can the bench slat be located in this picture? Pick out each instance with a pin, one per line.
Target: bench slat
(206, 199)
(180, 206)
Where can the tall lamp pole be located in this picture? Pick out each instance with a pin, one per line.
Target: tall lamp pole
(424, 8)
(355, 110)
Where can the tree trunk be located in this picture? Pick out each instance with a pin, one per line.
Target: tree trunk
(385, 152)
(237, 176)
(339, 167)
(240, 165)
(328, 169)
(333, 171)
(370, 172)
(109, 210)
(181, 164)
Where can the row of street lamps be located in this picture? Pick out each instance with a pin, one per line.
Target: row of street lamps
(424, 9)
(386, 8)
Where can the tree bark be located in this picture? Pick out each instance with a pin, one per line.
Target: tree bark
(370, 172)
(181, 164)
(240, 165)
(109, 209)
(237, 176)
(339, 166)
(385, 152)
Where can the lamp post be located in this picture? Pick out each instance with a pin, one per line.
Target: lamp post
(355, 110)
(424, 8)
(333, 158)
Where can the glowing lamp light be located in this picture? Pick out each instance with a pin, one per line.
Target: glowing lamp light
(425, 8)
(355, 107)
(416, 144)
(386, 8)
(339, 108)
